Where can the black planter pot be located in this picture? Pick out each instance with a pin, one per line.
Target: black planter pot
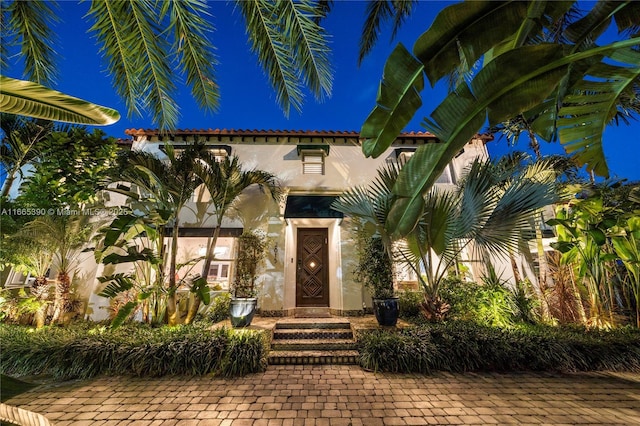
(386, 311)
(242, 310)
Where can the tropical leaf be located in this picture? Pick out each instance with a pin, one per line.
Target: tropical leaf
(397, 102)
(30, 22)
(308, 45)
(454, 34)
(116, 284)
(194, 49)
(123, 314)
(133, 40)
(269, 43)
(592, 104)
(34, 100)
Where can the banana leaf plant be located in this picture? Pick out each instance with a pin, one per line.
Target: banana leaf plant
(626, 244)
(134, 240)
(566, 86)
(596, 233)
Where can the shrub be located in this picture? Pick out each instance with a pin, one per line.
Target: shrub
(218, 309)
(83, 351)
(489, 304)
(399, 351)
(409, 303)
(459, 346)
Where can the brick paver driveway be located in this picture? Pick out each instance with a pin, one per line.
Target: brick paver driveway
(343, 395)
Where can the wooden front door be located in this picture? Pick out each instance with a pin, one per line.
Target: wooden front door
(312, 277)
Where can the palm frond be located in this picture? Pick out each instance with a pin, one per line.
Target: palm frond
(194, 49)
(269, 43)
(34, 100)
(308, 45)
(114, 36)
(402, 9)
(132, 40)
(31, 22)
(323, 8)
(377, 12)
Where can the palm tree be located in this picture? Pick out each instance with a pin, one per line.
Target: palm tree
(30, 253)
(65, 235)
(568, 87)
(489, 213)
(371, 205)
(138, 37)
(165, 188)
(19, 145)
(225, 181)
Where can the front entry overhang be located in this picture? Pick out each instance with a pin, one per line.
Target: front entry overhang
(311, 207)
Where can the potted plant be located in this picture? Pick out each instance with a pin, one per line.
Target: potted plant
(252, 250)
(375, 271)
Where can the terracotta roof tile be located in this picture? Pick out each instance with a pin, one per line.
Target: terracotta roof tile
(260, 132)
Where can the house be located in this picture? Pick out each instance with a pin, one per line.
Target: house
(311, 247)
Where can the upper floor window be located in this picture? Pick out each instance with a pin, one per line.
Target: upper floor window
(404, 154)
(313, 158)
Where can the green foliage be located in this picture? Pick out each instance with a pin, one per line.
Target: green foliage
(598, 236)
(409, 304)
(375, 268)
(488, 304)
(252, 251)
(464, 346)
(74, 166)
(245, 353)
(87, 350)
(219, 308)
(553, 90)
(16, 306)
(396, 351)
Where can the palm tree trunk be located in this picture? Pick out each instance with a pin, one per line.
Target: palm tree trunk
(543, 274)
(173, 314)
(40, 290)
(61, 301)
(193, 309)
(577, 297)
(8, 183)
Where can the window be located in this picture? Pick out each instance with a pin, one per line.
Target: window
(218, 271)
(313, 163)
(404, 154)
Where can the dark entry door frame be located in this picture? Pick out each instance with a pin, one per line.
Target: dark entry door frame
(312, 267)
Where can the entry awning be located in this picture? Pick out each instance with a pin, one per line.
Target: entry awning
(311, 206)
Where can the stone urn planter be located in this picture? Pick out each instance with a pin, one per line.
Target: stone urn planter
(242, 310)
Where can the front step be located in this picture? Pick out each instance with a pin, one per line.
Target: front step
(313, 357)
(313, 341)
(314, 345)
(312, 333)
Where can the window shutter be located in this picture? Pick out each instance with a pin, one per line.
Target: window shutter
(313, 164)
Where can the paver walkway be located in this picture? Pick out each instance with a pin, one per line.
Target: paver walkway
(343, 395)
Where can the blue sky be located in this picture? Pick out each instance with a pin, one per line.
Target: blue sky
(247, 100)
